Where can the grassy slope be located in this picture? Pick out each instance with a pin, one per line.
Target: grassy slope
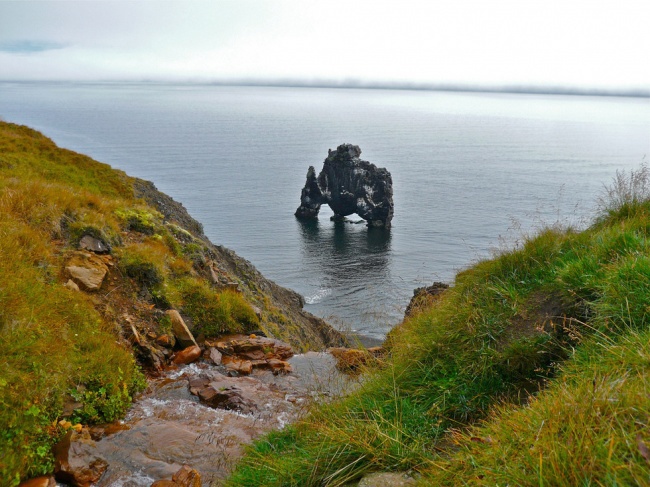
(534, 369)
(58, 346)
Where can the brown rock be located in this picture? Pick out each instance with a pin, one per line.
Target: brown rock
(279, 366)
(87, 270)
(234, 364)
(197, 384)
(352, 358)
(76, 461)
(44, 481)
(256, 348)
(164, 483)
(166, 341)
(215, 356)
(187, 355)
(180, 329)
(187, 477)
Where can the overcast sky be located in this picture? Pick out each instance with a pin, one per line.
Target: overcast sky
(571, 43)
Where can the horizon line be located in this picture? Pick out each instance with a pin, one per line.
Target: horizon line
(370, 85)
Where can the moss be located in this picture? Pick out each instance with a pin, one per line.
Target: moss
(146, 221)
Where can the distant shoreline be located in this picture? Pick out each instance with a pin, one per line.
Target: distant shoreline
(354, 84)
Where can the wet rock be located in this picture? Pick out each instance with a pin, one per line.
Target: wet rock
(353, 358)
(387, 479)
(279, 366)
(182, 333)
(240, 354)
(215, 356)
(237, 365)
(76, 460)
(228, 393)
(187, 477)
(86, 270)
(95, 245)
(187, 355)
(423, 296)
(43, 481)
(349, 185)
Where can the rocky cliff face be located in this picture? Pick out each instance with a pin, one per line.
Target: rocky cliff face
(284, 307)
(349, 185)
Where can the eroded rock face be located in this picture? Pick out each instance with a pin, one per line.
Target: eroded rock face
(349, 185)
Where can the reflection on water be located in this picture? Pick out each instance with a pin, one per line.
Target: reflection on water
(352, 263)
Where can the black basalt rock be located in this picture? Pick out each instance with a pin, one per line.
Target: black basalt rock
(349, 185)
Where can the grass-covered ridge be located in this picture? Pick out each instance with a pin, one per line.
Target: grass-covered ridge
(70, 353)
(533, 369)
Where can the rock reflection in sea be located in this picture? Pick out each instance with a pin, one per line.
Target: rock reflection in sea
(168, 427)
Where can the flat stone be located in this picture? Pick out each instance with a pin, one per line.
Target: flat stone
(87, 270)
(240, 366)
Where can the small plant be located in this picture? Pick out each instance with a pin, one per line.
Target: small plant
(145, 221)
(628, 189)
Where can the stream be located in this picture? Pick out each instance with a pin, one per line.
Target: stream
(167, 426)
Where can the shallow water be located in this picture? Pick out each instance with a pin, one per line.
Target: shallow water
(468, 170)
(168, 427)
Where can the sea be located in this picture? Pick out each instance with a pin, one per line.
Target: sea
(473, 173)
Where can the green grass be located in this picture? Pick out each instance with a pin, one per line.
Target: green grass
(489, 385)
(57, 344)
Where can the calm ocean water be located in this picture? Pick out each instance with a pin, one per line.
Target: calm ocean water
(469, 170)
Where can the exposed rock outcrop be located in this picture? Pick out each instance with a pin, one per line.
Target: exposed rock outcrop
(241, 354)
(349, 185)
(302, 329)
(423, 296)
(87, 270)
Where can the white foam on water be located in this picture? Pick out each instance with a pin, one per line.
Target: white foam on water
(318, 296)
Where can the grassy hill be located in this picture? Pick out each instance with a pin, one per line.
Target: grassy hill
(69, 353)
(532, 369)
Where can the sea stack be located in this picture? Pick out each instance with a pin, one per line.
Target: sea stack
(349, 185)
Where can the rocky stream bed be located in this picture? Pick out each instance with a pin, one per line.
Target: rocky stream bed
(200, 414)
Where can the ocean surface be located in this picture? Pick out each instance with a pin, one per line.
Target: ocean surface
(472, 172)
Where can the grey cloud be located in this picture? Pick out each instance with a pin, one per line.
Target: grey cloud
(28, 46)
